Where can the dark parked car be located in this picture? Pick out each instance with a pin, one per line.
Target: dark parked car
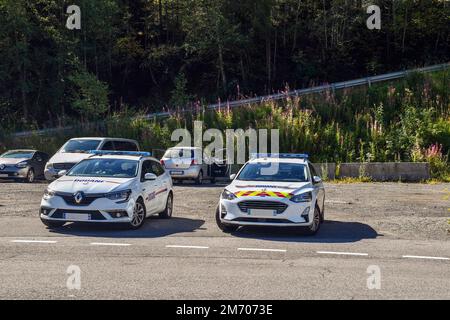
(26, 165)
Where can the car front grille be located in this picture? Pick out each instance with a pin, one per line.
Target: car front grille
(86, 201)
(277, 206)
(63, 166)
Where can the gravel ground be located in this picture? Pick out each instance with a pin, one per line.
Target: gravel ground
(394, 210)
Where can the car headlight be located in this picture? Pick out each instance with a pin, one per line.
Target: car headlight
(227, 195)
(48, 194)
(22, 164)
(119, 195)
(303, 197)
(49, 166)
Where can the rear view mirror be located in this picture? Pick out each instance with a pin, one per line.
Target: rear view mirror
(233, 176)
(150, 177)
(62, 173)
(317, 179)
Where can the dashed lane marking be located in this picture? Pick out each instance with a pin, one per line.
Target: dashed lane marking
(110, 244)
(33, 241)
(344, 253)
(265, 250)
(425, 257)
(187, 247)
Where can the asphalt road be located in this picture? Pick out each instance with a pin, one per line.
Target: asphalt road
(399, 229)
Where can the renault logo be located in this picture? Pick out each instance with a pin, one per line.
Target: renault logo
(2, 166)
(78, 197)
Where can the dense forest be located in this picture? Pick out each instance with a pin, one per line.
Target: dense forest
(146, 55)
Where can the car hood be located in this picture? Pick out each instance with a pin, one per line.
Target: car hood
(69, 157)
(90, 185)
(282, 187)
(12, 160)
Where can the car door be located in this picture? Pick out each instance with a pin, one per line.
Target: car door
(149, 188)
(162, 184)
(319, 190)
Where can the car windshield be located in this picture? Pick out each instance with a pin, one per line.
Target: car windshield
(18, 155)
(112, 168)
(284, 172)
(80, 146)
(179, 153)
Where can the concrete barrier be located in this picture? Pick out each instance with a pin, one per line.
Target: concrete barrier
(389, 171)
(327, 171)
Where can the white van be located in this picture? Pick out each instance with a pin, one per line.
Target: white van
(75, 150)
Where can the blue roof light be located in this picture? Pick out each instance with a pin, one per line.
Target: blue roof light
(120, 153)
(280, 155)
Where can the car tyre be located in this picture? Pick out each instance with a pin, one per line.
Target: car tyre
(167, 213)
(30, 176)
(315, 226)
(53, 224)
(199, 179)
(227, 228)
(139, 215)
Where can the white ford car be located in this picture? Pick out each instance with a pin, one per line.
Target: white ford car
(109, 187)
(281, 190)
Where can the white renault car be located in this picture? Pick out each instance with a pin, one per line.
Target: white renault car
(281, 190)
(109, 187)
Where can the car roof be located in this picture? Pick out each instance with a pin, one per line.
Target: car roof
(279, 160)
(103, 138)
(122, 157)
(22, 150)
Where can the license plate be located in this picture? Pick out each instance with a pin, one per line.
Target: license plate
(177, 173)
(3, 176)
(77, 217)
(262, 213)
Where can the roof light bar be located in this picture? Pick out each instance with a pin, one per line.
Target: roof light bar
(280, 155)
(120, 153)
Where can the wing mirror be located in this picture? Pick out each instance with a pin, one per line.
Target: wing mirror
(233, 176)
(317, 179)
(62, 173)
(150, 177)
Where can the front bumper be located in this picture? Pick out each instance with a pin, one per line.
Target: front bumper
(295, 214)
(101, 210)
(185, 174)
(12, 172)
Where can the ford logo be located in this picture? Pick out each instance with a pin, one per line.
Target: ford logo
(78, 197)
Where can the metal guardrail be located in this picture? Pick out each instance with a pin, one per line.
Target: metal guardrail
(279, 96)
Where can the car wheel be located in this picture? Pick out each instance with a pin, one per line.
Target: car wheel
(53, 224)
(139, 214)
(223, 226)
(30, 176)
(199, 179)
(167, 213)
(313, 228)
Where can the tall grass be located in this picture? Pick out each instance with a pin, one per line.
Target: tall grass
(396, 121)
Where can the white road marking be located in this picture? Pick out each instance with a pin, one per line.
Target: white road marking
(265, 250)
(343, 253)
(187, 247)
(424, 257)
(32, 241)
(110, 244)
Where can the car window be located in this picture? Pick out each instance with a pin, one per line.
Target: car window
(146, 168)
(113, 168)
(80, 146)
(125, 146)
(157, 169)
(285, 172)
(18, 155)
(179, 154)
(108, 146)
(313, 170)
